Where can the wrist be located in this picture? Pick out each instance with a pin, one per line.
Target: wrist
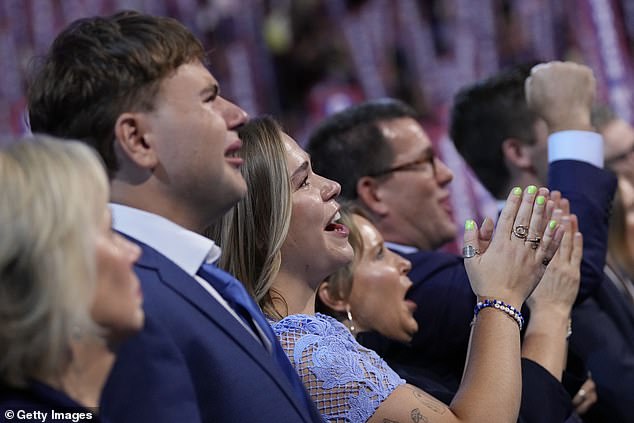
(575, 124)
(512, 300)
(500, 306)
(549, 311)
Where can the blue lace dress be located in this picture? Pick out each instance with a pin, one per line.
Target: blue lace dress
(346, 381)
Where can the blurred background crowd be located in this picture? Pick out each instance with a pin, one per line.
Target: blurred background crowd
(301, 60)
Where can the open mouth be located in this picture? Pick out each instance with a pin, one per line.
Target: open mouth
(232, 153)
(335, 226)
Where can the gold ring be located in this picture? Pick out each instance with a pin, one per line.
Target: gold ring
(521, 231)
(534, 242)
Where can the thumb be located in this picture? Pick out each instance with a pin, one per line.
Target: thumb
(471, 239)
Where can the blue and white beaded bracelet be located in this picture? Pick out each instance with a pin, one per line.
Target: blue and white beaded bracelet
(503, 307)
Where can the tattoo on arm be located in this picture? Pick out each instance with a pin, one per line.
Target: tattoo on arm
(417, 417)
(389, 421)
(428, 401)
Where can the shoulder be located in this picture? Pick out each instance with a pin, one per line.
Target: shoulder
(318, 324)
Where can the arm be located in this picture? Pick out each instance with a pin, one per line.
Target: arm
(561, 93)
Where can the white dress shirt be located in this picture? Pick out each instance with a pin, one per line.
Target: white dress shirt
(187, 249)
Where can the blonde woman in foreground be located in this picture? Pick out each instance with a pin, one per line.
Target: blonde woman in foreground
(68, 295)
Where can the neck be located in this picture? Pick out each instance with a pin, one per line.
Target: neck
(396, 234)
(298, 295)
(86, 374)
(146, 197)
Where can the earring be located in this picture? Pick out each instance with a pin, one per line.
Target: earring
(350, 323)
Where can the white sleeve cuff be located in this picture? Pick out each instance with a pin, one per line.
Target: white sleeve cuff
(583, 146)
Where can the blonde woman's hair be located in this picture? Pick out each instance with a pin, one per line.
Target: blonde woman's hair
(52, 197)
(252, 233)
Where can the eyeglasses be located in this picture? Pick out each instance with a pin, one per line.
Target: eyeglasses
(424, 164)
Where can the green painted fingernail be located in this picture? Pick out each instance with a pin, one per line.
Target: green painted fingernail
(532, 189)
(552, 224)
(469, 225)
(540, 200)
(517, 191)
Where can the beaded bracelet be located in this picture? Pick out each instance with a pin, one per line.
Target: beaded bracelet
(503, 307)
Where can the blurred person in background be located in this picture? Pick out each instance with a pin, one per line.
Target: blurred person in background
(619, 156)
(68, 294)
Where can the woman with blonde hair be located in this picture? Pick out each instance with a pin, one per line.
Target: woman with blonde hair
(68, 295)
(300, 242)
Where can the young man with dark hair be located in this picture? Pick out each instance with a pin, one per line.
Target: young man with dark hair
(135, 88)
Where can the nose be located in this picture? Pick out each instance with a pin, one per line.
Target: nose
(329, 189)
(131, 250)
(444, 175)
(233, 115)
(404, 265)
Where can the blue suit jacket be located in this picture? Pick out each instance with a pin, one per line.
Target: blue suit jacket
(603, 336)
(445, 300)
(193, 361)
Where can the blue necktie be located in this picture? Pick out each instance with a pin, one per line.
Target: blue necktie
(236, 295)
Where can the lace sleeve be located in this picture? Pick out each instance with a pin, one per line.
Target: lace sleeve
(346, 381)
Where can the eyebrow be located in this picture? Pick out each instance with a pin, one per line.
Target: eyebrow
(210, 89)
(300, 169)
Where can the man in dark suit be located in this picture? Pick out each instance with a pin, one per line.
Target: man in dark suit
(135, 88)
(384, 162)
(502, 152)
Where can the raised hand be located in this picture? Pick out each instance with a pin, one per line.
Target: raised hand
(561, 93)
(514, 262)
(560, 283)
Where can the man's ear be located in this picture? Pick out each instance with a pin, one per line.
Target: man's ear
(327, 299)
(369, 192)
(516, 153)
(133, 139)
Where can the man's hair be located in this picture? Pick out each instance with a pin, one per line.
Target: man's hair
(350, 144)
(101, 67)
(53, 197)
(487, 113)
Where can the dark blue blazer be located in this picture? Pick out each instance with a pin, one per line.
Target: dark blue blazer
(445, 300)
(603, 336)
(193, 361)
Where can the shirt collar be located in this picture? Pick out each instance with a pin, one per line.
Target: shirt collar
(403, 249)
(187, 249)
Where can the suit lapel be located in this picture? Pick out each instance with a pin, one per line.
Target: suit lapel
(188, 288)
